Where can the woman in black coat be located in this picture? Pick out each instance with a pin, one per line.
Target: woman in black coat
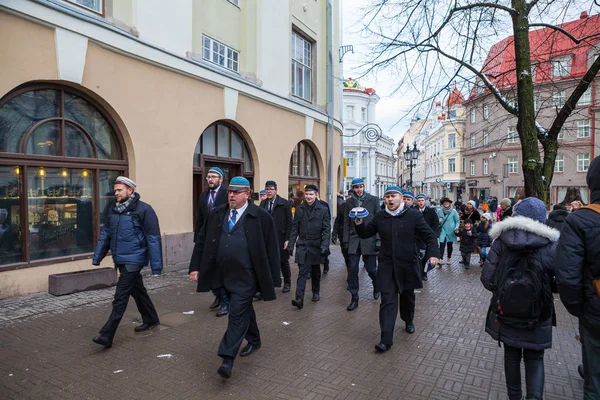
(525, 234)
(484, 240)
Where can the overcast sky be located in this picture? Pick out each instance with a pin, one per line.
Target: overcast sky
(392, 108)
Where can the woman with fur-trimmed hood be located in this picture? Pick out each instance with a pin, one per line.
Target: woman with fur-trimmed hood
(523, 235)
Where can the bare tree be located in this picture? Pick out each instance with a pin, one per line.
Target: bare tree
(433, 43)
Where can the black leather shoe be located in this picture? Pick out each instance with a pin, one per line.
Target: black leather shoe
(286, 288)
(258, 296)
(410, 327)
(382, 347)
(298, 303)
(249, 349)
(316, 297)
(103, 340)
(325, 270)
(376, 294)
(224, 310)
(425, 278)
(580, 371)
(216, 303)
(225, 368)
(145, 327)
(353, 305)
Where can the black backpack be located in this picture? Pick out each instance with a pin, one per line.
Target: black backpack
(523, 296)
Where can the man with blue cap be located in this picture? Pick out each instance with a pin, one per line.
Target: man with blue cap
(214, 196)
(400, 228)
(237, 249)
(408, 197)
(357, 247)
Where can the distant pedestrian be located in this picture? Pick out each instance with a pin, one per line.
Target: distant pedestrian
(577, 265)
(449, 223)
(557, 217)
(262, 195)
(467, 235)
(493, 208)
(519, 271)
(431, 218)
(237, 249)
(505, 209)
(484, 240)
(408, 198)
(132, 234)
(470, 212)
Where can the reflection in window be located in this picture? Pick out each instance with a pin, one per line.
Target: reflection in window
(45, 140)
(303, 169)
(222, 140)
(61, 221)
(10, 216)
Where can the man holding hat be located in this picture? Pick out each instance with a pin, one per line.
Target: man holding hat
(132, 234)
(214, 196)
(237, 249)
(311, 232)
(281, 211)
(367, 247)
(400, 228)
(431, 218)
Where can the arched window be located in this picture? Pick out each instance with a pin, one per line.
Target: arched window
(304, 169)
(59, 155)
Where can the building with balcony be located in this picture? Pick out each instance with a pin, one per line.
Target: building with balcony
(493, 150)
(159, 91)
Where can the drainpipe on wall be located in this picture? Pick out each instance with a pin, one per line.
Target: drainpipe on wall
(341, 182)
(330, 84)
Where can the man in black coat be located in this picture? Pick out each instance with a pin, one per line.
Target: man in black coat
(577, 269)
(338, 226)
(237, 249)
(281, 211)
(311, 232)
(432, 219)
(214, 196)
(399, 228)
(557, 217)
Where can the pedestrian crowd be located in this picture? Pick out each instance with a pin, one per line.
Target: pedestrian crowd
(242, 251)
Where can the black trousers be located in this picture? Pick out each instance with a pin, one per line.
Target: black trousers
(315, 278)
(449, 246)
(346, 257)
(285, 270)
(129, 284)
(534, 372)
(388, 310)
(241, 325)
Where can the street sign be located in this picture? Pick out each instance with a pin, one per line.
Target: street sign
(448, 186)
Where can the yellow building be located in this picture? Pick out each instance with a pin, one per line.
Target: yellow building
(159, 91)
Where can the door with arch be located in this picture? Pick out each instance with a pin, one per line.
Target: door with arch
(304, 170)
(220, 145)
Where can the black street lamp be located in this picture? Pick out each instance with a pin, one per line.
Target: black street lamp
(410, 157)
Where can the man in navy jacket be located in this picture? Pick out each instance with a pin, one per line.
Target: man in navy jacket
(132, 234)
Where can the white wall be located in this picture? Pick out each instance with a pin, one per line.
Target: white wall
(274, 47)
(167, 26)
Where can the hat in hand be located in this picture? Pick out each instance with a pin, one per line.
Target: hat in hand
(358, 212)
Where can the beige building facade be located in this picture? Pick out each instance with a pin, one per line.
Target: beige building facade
(157, 93)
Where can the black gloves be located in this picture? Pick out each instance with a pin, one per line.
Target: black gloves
(344, 245)
(325, 252)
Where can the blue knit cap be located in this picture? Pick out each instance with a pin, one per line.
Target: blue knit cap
(408, 193)
(393, 189)
(238, 183)
(421, 196)
(217, 170)
(262, 192)
(358, 181)
(533, 208)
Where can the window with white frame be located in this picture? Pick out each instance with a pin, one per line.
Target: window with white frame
(473, 115)
(558, 99)
(486, 111)
(513, 136)
(301, 67)
(584, 128)
(451, 140)
(452, 165)
(561, 134)
(472, 168)
(513, 164)
(472, 144)
(96, 6)
(561, 66)
(534, 67)
(486, 137)
(350, 159)
(586, 97)
(583, 162)
(217, 53)
(349, 113)
(485, 166)
(559, 163)
(363, 114)
(537, 102)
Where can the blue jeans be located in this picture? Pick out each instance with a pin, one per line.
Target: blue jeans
(371, 267)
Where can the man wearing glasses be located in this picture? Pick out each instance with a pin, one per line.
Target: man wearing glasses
(237, 249)
(214, 196)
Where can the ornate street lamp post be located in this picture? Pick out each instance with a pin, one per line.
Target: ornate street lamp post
(411, 156)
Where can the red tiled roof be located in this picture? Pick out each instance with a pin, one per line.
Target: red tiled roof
(455, 98)
(545, 44)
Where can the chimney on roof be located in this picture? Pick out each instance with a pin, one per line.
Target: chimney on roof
(583, 15)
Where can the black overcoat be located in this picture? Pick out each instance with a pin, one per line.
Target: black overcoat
(220, 199)
(282, 216)
(311, 233)
(262, 244)
(433, 220)
(368, 245)
(399, 253)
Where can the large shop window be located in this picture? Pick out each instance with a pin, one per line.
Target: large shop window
(304, 170)
(59, 155)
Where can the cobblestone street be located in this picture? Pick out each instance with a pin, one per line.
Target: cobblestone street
(320, 352)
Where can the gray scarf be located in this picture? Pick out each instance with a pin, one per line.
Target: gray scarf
(120, 207)
(447, 210)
